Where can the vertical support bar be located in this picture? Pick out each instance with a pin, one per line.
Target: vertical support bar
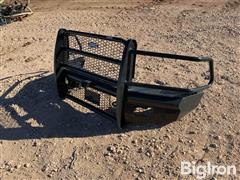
(131, 61)
(61, 56)
(126, 70)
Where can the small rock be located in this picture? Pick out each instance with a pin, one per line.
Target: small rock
(167, 137)
(35, 144)
(213, 178)
(191, 141)
(159, 82)
(33, 38)
(156, 147)
(191, 132)
(206, 149)
(217, 137)
(17, 166)
(125, 161)
(26, 165)
(213, 145)
(55, 170)
(111, 149)
(140, 170)
(11, 169)
(153, 140)
(120, 151)
(86, 157)
(149, 153)
(29, 59)
(140, 150)
(107, 154)
(44, 168)
(8, 163)
(180, 140)
(26, 44)
(134, 141)
(121, 135)
(135, 175)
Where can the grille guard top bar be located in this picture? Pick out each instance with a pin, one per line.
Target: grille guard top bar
(92, 35)
(86, 61)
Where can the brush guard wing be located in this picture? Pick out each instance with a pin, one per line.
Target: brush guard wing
(97, 72)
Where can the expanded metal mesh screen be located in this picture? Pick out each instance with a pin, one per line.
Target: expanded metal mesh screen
(95, 98)
(96, 46)
(94, 65)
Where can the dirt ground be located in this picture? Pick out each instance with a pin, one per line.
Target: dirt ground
(43, 137)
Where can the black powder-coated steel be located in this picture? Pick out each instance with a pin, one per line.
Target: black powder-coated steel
(97, 72)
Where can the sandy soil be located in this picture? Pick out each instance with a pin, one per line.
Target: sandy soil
(42, 137)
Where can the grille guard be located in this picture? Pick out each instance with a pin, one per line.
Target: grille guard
(96, 71)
